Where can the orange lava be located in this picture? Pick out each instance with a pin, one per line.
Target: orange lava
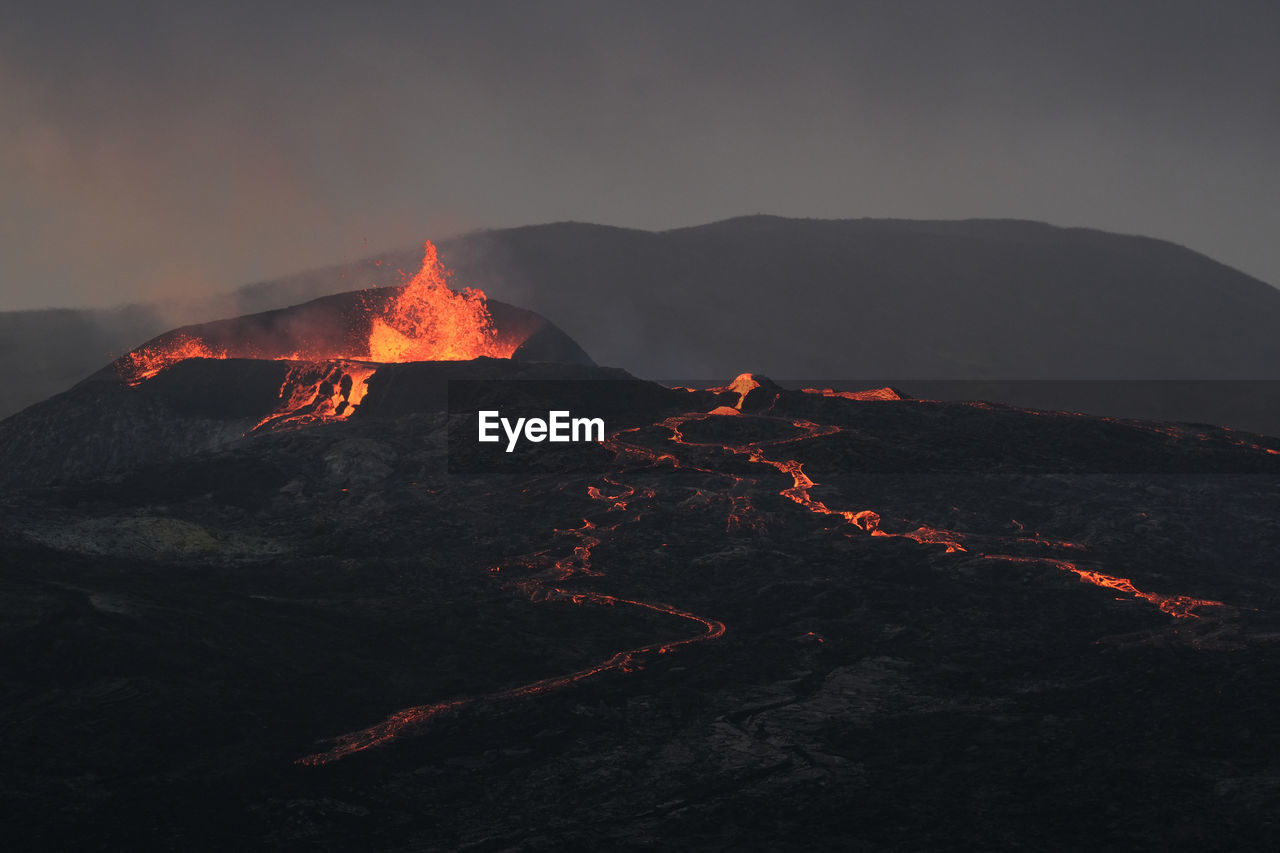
(870, 394)
(427, 321)
(868, 521)
(1180, 606)
(145, 362)
(740, 515)
(314, 392)
(430, 322)
(742, 385)
(801, 483)
(410, 720)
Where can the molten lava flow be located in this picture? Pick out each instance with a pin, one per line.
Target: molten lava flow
(538, 587)
(801, 483)
(1181, 606)
(410, 719)
(426, 321)
(619, 500)
(579, 562)
(870, 394)
(546, 571)
(742, 385)
(145, 362)
(430, 322)
(868, 521)
(319, 392)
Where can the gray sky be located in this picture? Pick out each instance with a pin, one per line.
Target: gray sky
(159, 149)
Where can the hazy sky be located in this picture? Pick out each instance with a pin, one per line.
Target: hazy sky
(152, 149)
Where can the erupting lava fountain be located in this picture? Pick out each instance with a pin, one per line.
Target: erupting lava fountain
(422, 320)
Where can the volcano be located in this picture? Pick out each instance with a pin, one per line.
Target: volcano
(267, 567)
(421, 320)
(799, 299)
(200, 387)
(750, 618)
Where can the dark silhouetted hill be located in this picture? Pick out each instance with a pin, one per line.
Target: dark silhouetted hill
(976, 299)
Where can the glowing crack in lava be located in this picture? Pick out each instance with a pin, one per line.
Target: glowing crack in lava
(426, 321)
(547, 572)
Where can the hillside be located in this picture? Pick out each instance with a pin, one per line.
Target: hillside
(749, 619)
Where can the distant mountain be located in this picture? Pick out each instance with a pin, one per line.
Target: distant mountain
(975, 299)
(798, 298)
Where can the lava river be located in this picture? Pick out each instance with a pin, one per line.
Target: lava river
(544, 575)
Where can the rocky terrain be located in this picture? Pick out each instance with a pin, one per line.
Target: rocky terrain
(803, 622)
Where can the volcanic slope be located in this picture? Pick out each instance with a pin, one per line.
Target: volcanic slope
(750, 619)
(313, 362)
(799, 298)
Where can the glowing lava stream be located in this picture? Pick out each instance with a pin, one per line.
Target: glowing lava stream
(404, 722)
(578, 562)
(319, 392)
(801, 484)
(589, 535)
(1179, 606)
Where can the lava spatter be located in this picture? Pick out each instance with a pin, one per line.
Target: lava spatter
(430, 322)
(145, 362)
